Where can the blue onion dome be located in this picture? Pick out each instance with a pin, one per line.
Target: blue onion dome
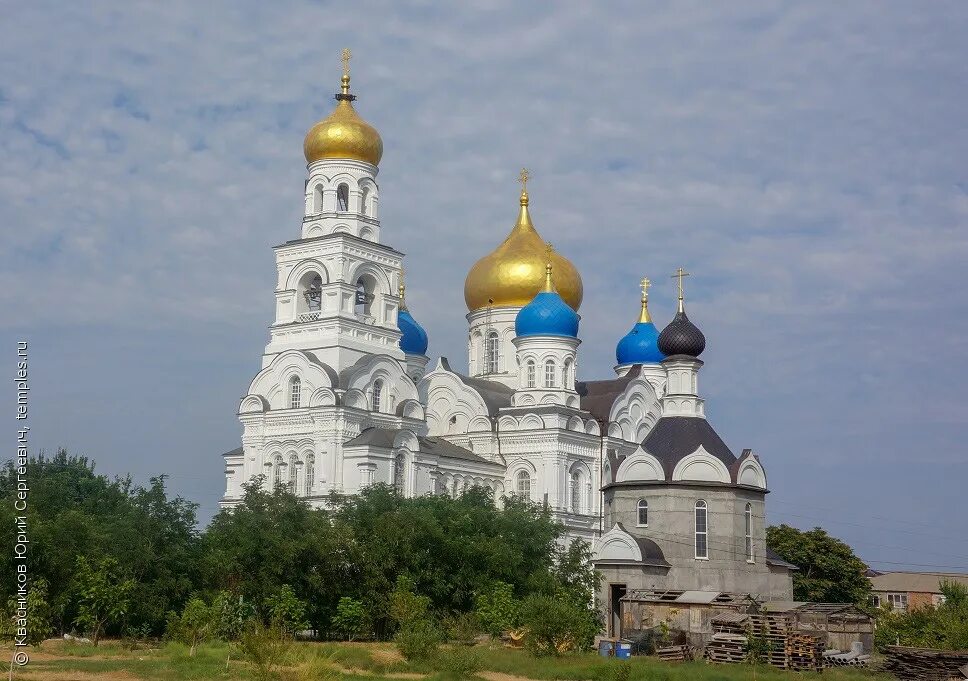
(681, 336)
(547, 314)
(640, 345)
(414, 338)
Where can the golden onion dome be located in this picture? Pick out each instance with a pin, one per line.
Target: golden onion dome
(514, 272)
(343, 134)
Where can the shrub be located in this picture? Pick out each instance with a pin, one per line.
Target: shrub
(286, 610)
(351, 620)
(418, 641)
(265, 647)
(193, 626)
(38, 613)
(229, 616)
(459, 663)
(497, 609)
(556, 624)
(406, 606)
(462, 628)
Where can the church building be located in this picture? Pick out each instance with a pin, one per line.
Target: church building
(346, 395)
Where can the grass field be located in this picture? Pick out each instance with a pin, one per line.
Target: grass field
(63, 661)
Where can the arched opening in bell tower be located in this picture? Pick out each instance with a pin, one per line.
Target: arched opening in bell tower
(342, 198)
(365, 294)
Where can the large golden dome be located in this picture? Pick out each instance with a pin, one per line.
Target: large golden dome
(343, 134)
(514, 272)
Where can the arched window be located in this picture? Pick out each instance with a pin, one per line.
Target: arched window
(310, 473)
(531, 380)
(550, 373)
(364, 195)
(365, 294)
(318, 199)
(295, 392)
(702, 530)
(575, 492)
(277, 473)
(749, 532)
(491, 353)
(342, 198)
(398, 471)
(293, 472)
(313, 293)
(522, 484)
(643, 513)
(377, 394)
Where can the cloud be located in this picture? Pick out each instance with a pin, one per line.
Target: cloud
(804, 162)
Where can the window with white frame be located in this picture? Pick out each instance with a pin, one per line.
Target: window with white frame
(377, 395)
(749, 533)
(898, 601)
(550, 374)
(295, 392)
(642, 509)
(875, 600)
(293, 472)
(310, 473)
(702, 530)
(492, 353)
(522, 484)
(530, 378)
(575, 492)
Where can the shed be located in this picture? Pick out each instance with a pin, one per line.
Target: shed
(843, 623)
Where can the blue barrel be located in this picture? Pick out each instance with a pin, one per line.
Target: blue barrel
(623, 651)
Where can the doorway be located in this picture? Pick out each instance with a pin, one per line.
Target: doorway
(616, 591)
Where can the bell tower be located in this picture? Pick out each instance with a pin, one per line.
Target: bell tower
(336, 291)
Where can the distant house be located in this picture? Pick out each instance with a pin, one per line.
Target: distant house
(910, 590)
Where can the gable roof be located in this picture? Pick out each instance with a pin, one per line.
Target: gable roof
(916, 582)
(495, 395)
(383, 438)
(597, 397)
(675, 437)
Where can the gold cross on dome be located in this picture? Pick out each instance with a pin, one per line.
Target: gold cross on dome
(645, 283)
(680, 273)
(523, 178)
(345, 58)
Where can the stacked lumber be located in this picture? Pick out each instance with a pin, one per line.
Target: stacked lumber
(804, 652)
(726, 648)
(674, 653)
(925, 664)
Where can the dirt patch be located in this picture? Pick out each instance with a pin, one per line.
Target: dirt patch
(80, 676)
(501, 676)
(387, 655)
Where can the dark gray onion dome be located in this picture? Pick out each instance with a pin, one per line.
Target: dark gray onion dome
(681, 337)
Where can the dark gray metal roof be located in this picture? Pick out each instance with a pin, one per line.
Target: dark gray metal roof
(651, 552)
(437, 446)
(773, 558)
(597, 397)
(235, 452)
(675, 437)
(495, 395)
(374, 437)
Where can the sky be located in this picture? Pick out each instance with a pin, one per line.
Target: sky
(806, 162)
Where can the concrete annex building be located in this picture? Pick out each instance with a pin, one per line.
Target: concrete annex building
(343, 398)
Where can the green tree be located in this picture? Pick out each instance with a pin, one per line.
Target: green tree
(497, 609)
(271, 539)
(103, 594)
(406, 606)
(829, 571)
(73, 511)
(37, 616)
(230, 613)
(556, 623)
(194, 625)
(287, 611)
(351, 620)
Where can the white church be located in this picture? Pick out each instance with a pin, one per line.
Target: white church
(344, 397)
